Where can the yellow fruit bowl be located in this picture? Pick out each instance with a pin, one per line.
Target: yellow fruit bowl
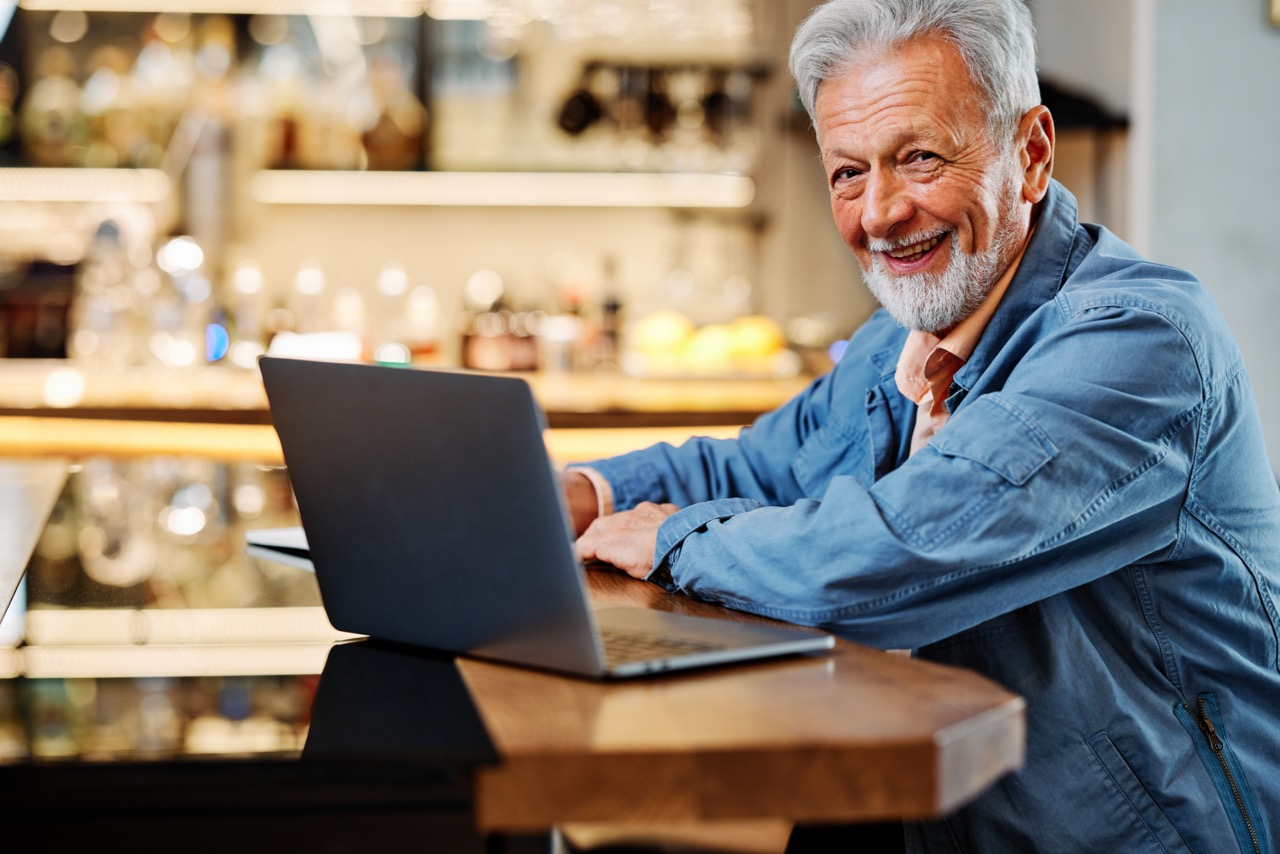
(666, 344)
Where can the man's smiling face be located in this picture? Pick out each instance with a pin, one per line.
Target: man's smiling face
(931, 205)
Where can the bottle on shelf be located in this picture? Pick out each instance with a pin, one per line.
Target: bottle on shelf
(422, 324)
(396, 137)
(486, 334)
(248, 314)
(52, 123)
(388, 321)
(184, 306)
(609, 350)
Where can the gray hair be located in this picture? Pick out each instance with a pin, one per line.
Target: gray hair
(996, 39)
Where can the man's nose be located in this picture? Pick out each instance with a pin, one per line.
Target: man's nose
(885, 204)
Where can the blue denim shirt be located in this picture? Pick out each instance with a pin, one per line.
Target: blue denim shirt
(1096, 527)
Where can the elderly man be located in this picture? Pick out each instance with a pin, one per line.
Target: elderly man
(1042, 460)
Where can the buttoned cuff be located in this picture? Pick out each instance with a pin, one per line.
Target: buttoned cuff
(690, 520)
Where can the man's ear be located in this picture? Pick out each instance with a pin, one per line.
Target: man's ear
(1035, 145)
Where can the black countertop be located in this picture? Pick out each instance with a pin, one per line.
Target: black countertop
(160, 688)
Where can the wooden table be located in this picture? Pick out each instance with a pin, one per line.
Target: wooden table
(856, 734)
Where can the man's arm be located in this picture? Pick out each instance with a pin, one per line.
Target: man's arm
(757, 465)
(1074, 468)
(651, 484)
(756, 469)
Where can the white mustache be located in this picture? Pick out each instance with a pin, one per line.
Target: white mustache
(886, 245)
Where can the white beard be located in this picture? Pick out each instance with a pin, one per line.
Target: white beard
(933, 302)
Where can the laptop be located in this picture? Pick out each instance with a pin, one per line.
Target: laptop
(433, 516)
(29, 489)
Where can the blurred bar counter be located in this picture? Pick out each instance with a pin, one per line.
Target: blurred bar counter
(50, 408)
(221, 395)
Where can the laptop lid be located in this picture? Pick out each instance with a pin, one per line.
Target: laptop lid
(433, 516)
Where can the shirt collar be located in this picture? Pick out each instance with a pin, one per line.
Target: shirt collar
(1054, 250)
(929, 362)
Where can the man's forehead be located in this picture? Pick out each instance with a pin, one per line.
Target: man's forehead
(929, 62)
(845, 128)
(920, 90)
(914, 131)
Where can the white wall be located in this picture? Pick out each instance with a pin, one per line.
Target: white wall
(1085, 47)
(1207, 190)
(1085, 44)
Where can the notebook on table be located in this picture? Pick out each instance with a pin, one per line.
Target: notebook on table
(433, 516)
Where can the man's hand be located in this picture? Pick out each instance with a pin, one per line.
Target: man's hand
(627, 539)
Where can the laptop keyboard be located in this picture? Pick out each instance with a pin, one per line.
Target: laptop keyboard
(621, 647)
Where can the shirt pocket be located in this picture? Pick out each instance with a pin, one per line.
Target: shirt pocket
(840, 447)
(1126, 807)
(1000, 438)
(984, 452)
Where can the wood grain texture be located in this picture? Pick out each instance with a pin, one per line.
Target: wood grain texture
(858, 734)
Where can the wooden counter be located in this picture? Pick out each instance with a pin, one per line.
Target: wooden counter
(49, 408)
(45, 436)
(223, 394)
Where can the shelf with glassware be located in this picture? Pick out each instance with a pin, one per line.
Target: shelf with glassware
(331, 108)
(240, 125)
(333, 187)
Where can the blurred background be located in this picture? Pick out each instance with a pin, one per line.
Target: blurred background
(495, 183)
(564, 185)
(618, 199)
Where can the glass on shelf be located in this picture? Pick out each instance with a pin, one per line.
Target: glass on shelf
(163, 533)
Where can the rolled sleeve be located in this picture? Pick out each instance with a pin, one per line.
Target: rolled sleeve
(602, 487)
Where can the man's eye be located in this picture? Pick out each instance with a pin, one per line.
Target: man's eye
(846, 174)
(921, 156)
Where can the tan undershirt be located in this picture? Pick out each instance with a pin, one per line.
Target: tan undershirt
(928, 363)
